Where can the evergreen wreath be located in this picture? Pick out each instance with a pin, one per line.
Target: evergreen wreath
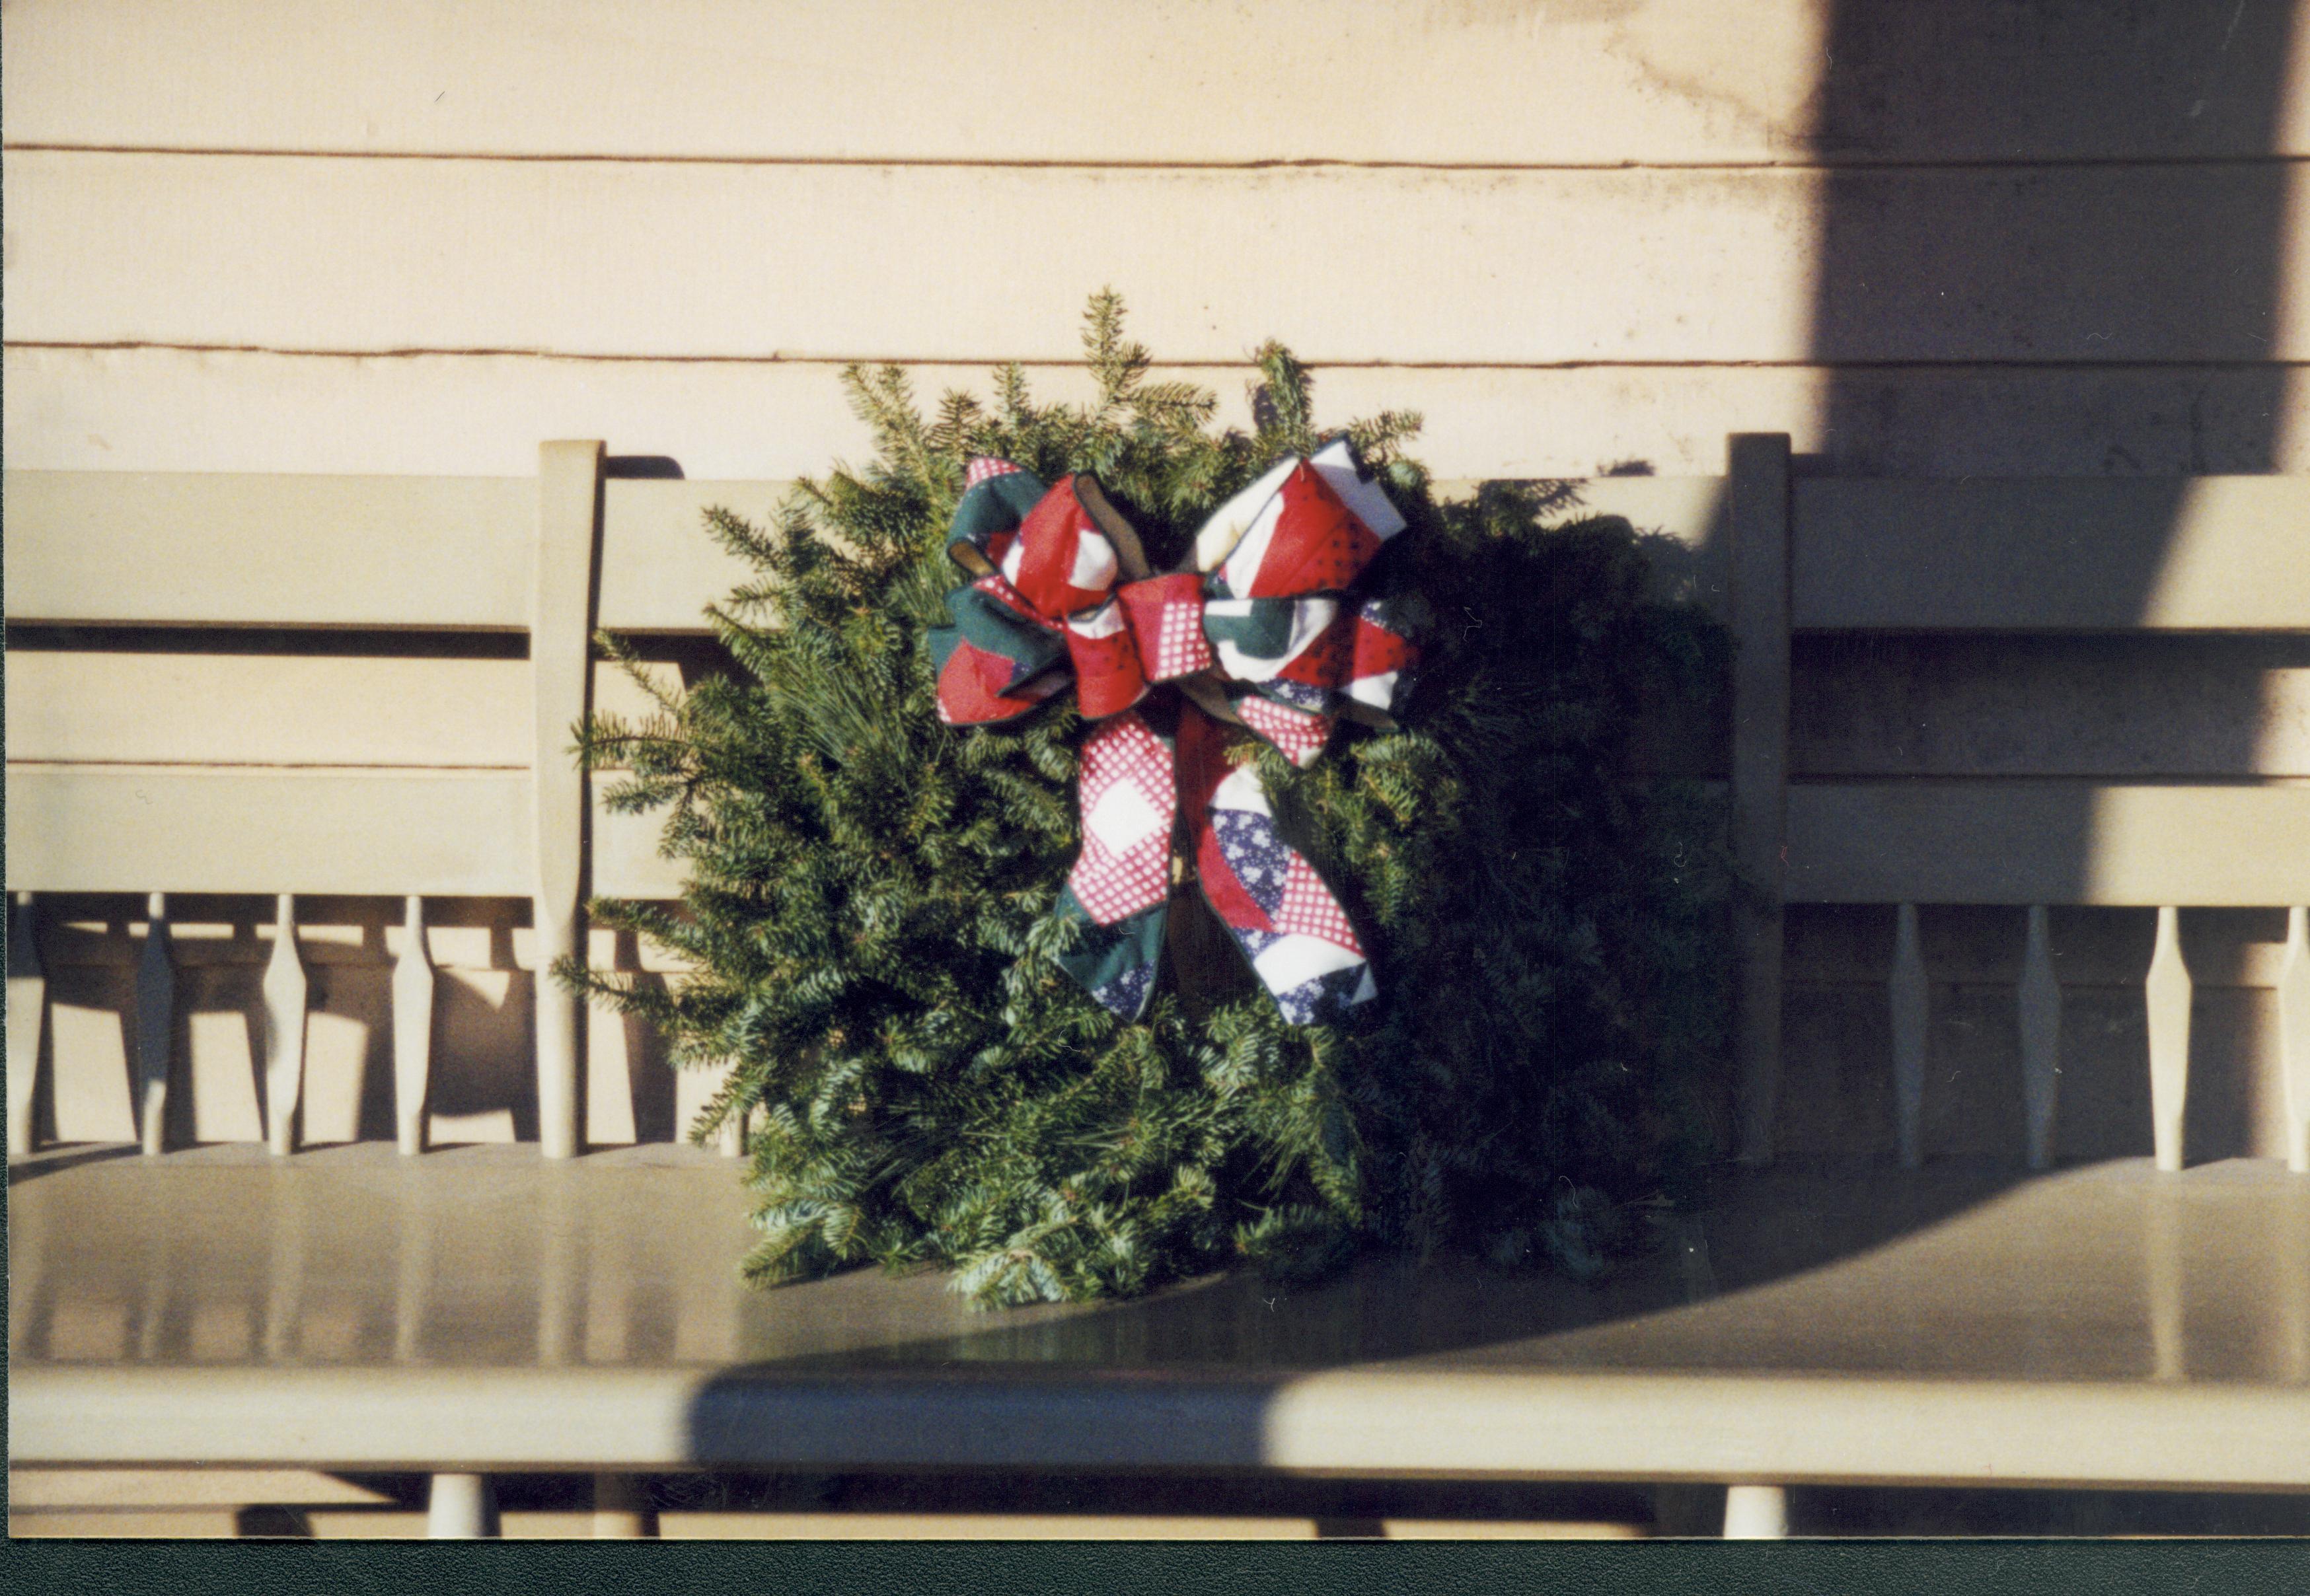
(871, 913)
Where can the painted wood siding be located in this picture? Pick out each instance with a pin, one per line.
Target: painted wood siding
(1975, 237)
(1979, 238)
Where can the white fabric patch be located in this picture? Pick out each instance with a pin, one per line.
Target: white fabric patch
(1123, 819)
(1378, 691)
(1094, 569)
(1102, 622)
(1337, 463)
(1295, 960)
(1240, 789)
(1228, 524)
(1242, 567)
(1013, 558)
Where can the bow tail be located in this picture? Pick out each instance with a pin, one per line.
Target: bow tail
(1121, 883)
(1273, 902)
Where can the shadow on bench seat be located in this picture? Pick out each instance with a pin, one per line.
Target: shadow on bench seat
(489, 1310)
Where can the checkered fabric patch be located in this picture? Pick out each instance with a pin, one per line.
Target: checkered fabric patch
(1181, 649)
(1166, 614)
(1309, 909)
(1128, 796)
(1300, 735)
(985, 468)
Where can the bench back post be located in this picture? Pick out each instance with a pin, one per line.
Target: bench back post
(1758, 499)
(561, 664)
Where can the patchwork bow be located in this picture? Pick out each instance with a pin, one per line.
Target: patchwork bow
(1261, 630)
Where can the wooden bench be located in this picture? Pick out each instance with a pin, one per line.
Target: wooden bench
(482, 1310)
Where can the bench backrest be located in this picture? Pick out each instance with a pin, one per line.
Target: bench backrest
(546, 561)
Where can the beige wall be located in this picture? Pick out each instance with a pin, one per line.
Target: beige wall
(1967, 240)
(1597, 230)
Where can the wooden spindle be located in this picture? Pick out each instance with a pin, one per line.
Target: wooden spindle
(28, 1014)
(285, 991)
(2040, 1000)
(2294, 1037)
(1910, 998)
(156, 1020)
(2167, 991)
(412, 1030)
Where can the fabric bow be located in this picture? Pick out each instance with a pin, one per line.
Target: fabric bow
(1261, 629)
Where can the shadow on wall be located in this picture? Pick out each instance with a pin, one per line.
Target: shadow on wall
(2048, 233)
(2052, 216)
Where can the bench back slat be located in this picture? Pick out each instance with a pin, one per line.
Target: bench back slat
(2053, 554)
(1773, 557)
(2031, 842)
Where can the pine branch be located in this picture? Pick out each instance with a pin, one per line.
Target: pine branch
(869, 931)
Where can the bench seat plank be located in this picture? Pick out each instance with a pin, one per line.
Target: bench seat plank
(484, 1309)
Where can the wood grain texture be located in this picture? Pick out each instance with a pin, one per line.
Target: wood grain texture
(2054, 554)
(2005, 1342)
(1674, 266)
(91, 547)
(164, 409)
(373, 832)
(114, 830)
(1183, 79)
(2044, 842)
(2136, 705)
(274, 550)
(241, 707)
(2175, 554)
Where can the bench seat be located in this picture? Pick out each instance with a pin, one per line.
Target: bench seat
(485, 1309)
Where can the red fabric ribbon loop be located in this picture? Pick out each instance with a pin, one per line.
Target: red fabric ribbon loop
(1263, 632)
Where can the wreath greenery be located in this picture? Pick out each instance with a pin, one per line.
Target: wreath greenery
(869, 915)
